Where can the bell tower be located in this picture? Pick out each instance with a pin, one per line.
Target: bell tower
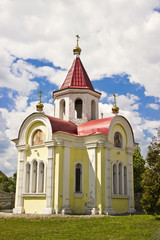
(76, 100)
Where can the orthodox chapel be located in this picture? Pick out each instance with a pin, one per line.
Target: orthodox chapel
(73, 162)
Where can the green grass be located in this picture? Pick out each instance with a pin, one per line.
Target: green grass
(136, 227)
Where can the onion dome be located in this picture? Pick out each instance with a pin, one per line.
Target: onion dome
(77, 49)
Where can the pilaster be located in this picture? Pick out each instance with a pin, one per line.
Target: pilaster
(49, 179)
(19, 199)
(92, 182)
(66, 174)
(108, 183)
(130, 183)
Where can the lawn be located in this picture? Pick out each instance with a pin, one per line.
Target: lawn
(136, 227)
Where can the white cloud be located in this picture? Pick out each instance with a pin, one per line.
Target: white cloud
(128, 105)
(10, 122)
(153, 106)
(103, 94)
(116, 37)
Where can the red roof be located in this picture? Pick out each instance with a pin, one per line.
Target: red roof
(95, 126)
(88, 128)
(77, 77)
(62, 125)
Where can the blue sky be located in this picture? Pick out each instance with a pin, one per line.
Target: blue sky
(120, 53)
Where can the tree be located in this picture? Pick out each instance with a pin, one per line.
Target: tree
(8, 184)
(151, 179)
(139, 168)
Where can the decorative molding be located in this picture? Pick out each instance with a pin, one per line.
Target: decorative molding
(50, 143)
(34, 194)
(119, 196)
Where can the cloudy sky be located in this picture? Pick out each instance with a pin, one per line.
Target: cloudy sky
(120, 42)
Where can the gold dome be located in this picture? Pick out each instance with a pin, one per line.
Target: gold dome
(115, 109)
(77, 49)
(39, 107)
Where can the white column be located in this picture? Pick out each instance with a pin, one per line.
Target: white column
(92, 181)
(66, 174)
(19, 199)
(49, 181)
(108, 183)
(130, 183)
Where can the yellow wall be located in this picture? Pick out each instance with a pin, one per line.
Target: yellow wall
(34, 205)
(119, 153)
(120, 205)
(79, 205)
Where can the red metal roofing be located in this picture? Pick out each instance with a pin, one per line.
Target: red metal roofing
(88, 128)
(95, 126)
(62, 125)
(77, 77)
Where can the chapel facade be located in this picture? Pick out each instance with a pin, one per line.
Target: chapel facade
(73, 162)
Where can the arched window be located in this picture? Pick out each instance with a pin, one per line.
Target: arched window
(120, 177)
(62, 109)
(78, 108)
(117, 140)
(78, 178)
(41, 178)
(93, 110)
(37, 138)
(27, 180)
(34, 176)
(114, 179)
(125, 180)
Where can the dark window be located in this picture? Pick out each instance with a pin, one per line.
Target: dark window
(78, 181)
(78, 108)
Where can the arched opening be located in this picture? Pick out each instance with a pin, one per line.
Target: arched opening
(120, 177)
(117, 140)
(27, 181)
(93, 110)
(114, 179)
(62, 109)
(34, 176)
(41, 178)
(125, 180)
(78, 108)
(37, 138)
(78, 178)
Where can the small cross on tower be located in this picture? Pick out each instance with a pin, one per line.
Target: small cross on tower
(77, 38)
(40, 93)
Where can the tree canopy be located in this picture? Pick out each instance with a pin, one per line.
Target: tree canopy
(139, 168)
(151, 179)
(8, 184)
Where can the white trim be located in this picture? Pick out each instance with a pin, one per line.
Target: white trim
(117, 163)
(28, 122)
(127, 128)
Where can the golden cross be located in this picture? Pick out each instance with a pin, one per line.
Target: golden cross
(40, 93)
(114, 95)
(77, 38)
